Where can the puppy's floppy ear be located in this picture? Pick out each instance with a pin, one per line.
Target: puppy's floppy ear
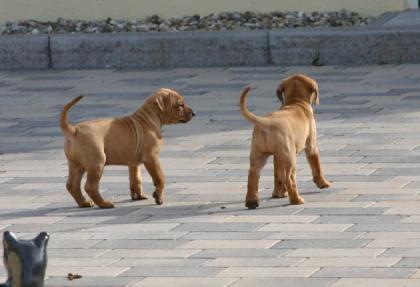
(314, 97)
(281, 92)
(42, 239)
(159, 101)
(10, 238)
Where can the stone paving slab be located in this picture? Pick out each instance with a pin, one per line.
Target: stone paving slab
(363, 231)
(283, 282)
(362, 282)
(185, 282)
(347, 272)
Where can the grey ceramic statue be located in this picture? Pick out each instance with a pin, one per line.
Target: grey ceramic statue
(25, 260)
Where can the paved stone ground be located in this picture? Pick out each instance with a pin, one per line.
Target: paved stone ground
(364, 231)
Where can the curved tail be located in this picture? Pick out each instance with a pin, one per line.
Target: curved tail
(66, 127)
(260, 121)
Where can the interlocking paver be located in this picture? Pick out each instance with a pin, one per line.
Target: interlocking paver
(156, 262)
(390, 235)
(367, 282)
(267, 272)
(408, 262)
(350, 262)
(88, 281)
(283, 282)
(402, 252)
(347, 272)
(224, 235)
(183, 271)
(314, 235)
(365, 225)
(335, 252)
(305, 227)
(241, 253)
(91, 271)
(395, 242)
(253, 262)
(185, 282)
(229, 244)
(321, 243)
(150, 253)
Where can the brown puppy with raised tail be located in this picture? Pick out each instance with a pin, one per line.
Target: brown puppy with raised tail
(284, 134)
(130, 140)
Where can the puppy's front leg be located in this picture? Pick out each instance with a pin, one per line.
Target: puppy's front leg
(279, 186)
(312, 155)
(135, 183)
(290, 179)
(155, 171)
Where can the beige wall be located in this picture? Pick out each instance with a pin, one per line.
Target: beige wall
(134, 9)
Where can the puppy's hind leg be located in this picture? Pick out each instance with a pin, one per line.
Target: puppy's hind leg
(257, 162)
(135, 183)
(74, 179)
(92, 187)
(279, 187)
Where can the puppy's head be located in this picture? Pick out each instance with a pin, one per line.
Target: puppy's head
(298, 88)
(171, 105)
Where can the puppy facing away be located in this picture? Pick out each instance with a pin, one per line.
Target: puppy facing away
(132, 140)
(284, 134)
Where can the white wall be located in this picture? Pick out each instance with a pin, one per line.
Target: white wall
(134, 9)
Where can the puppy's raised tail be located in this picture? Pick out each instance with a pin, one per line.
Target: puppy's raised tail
(259, 121)
(66, 127)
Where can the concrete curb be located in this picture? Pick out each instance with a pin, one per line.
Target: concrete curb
(375, 45)
(24, 53)
(159, 50)
(346, 47)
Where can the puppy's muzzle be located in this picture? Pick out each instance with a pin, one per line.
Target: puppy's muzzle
(188, 116)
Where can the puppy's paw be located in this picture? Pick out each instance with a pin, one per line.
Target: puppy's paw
(86, 204)
(252, 204)
(158, 198)
(279, 194)
(297, 200)
(106, 204)
(139, 196)
(322, 183)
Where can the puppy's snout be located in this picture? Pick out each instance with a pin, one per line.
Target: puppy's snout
(192, 113)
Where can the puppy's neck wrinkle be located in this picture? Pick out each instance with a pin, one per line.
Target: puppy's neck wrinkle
(149, 118)
(305, 107)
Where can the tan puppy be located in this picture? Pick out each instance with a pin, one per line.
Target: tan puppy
(284, 134)
(130, 140)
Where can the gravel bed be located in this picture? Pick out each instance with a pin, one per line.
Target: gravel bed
(214, 22)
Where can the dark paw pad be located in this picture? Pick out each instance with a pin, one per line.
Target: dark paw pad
(252, 205)
(157, 198)
(86, 204)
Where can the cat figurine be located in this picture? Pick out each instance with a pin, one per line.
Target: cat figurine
(25, 260)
